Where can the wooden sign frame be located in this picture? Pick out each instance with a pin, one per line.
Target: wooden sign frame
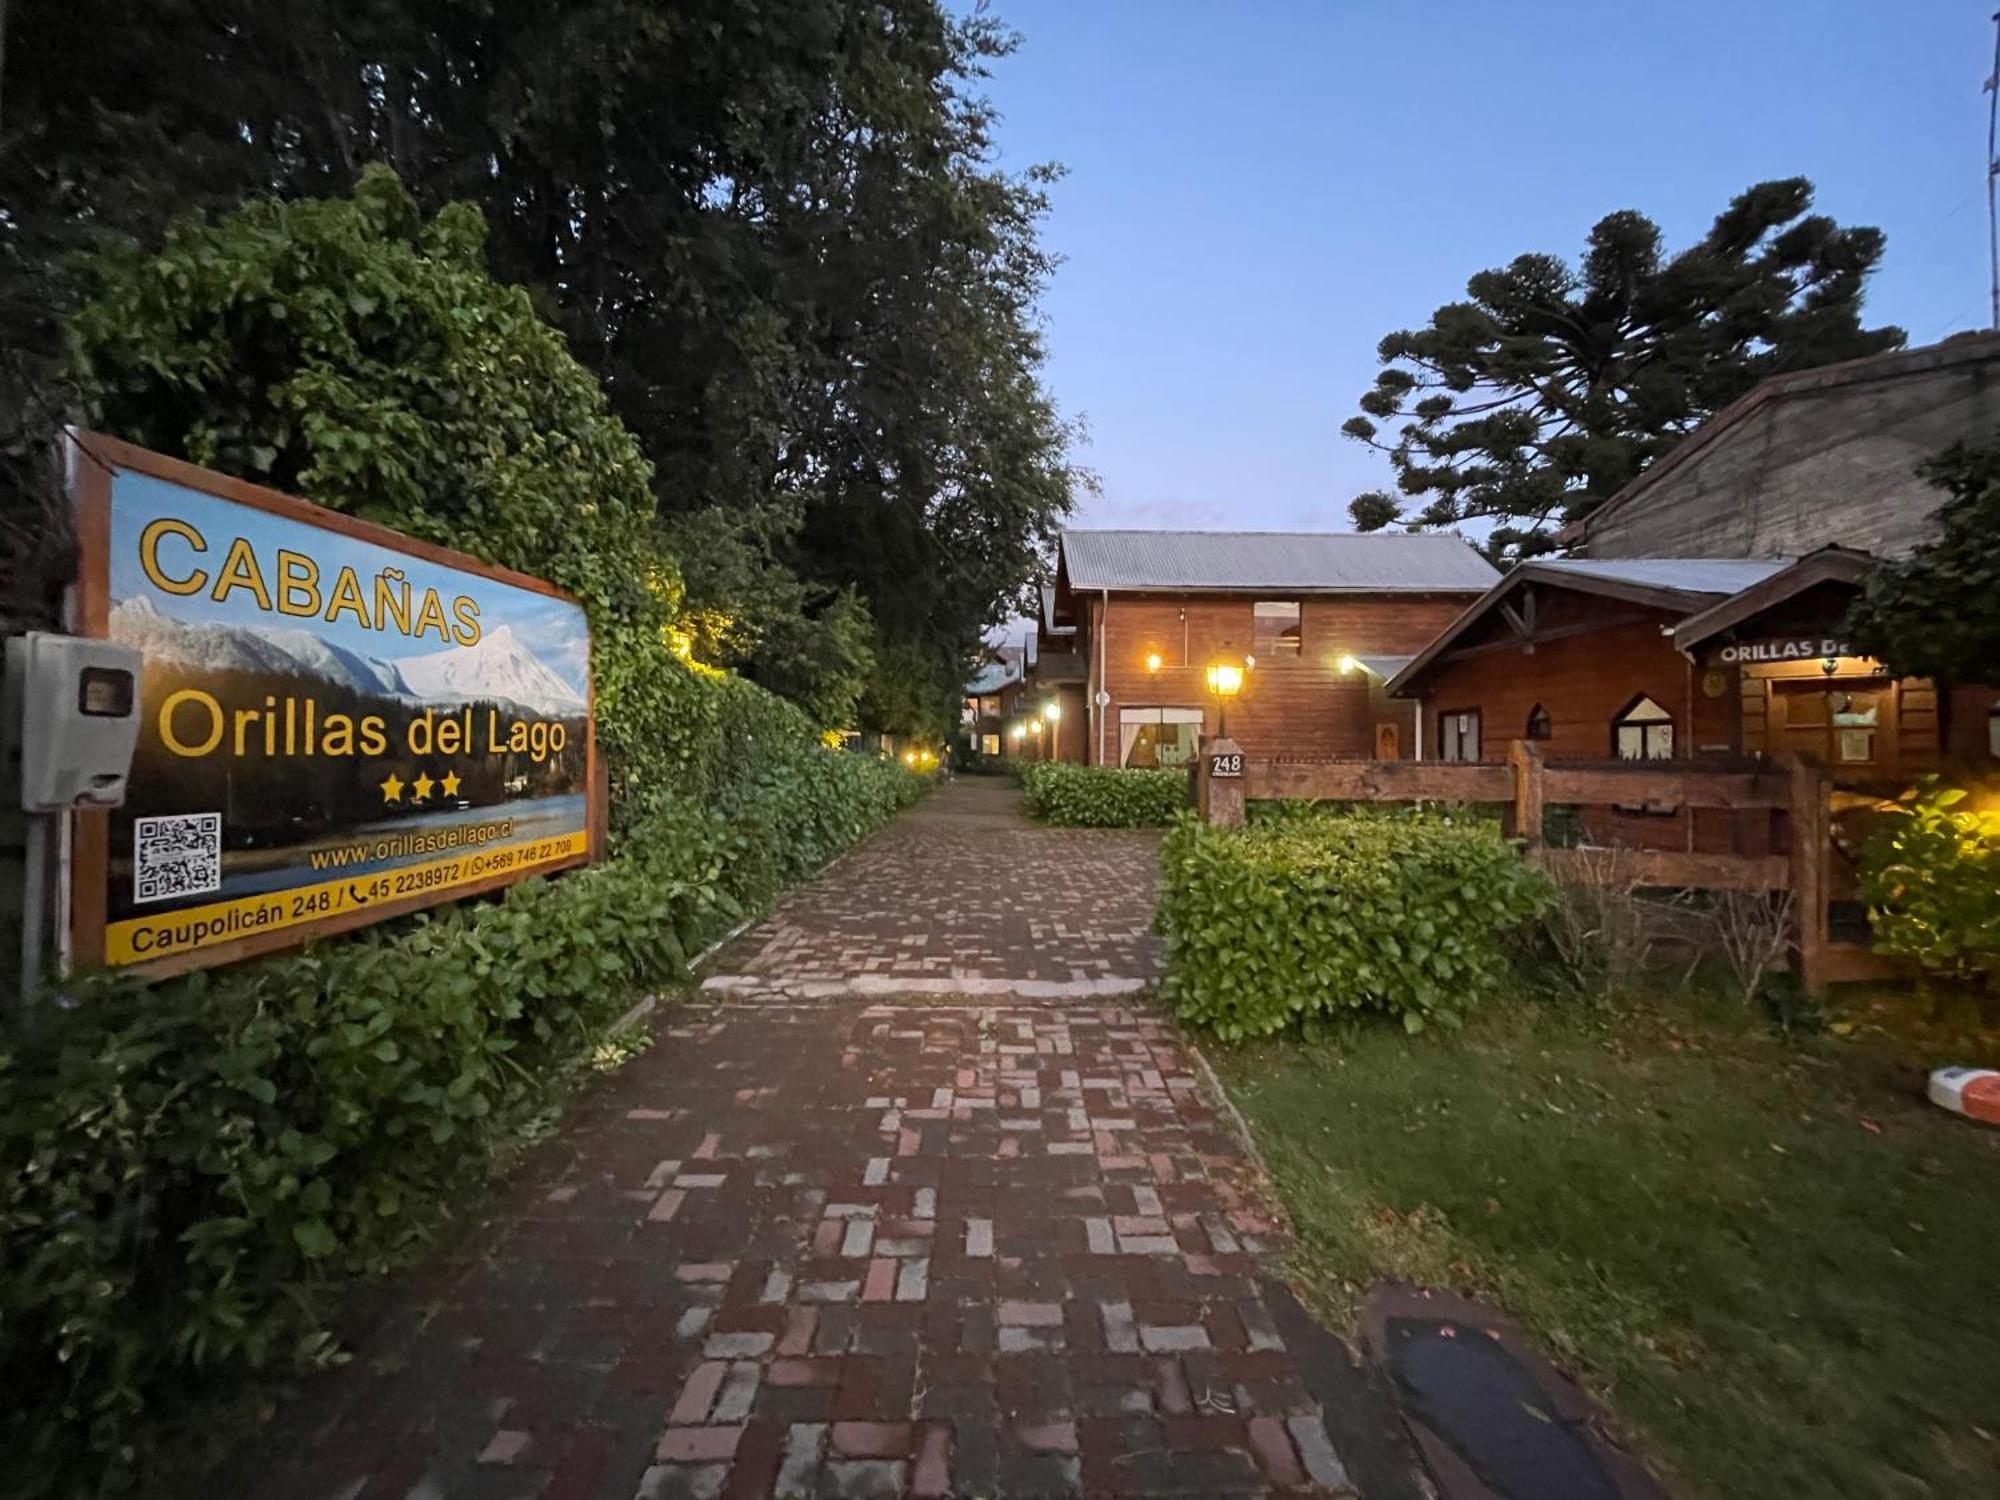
(93, 460)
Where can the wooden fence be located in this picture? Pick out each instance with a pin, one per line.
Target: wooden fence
(1792, 790)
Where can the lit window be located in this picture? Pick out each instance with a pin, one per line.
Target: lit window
(1154, 737)
(1458, 735)
(989, 744)
(1645, 731)
(1538, 724)
(1275, 627)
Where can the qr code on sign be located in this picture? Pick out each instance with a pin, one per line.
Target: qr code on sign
(176, 856)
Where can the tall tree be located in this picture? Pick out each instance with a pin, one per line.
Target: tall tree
(1541, 395)
(1936, 613)
(773, 227)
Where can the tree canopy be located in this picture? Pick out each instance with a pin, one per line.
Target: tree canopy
(1936, 612)
(773, 228)
(1551, 386)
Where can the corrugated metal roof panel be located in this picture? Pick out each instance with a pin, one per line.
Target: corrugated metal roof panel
(1298, 562)
(1694, 575)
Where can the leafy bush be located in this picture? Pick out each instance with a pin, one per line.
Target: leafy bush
(1298, 920)
(190, 1170)
(1931, 878)
(1103, 796)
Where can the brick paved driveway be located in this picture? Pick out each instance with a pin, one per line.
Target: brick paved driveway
(962, 896)
(920, 1245)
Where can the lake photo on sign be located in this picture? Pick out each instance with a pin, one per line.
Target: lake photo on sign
(327, 724)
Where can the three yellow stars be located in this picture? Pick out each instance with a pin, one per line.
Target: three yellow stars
(420, 789)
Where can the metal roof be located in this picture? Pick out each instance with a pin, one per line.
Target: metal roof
(1690, 575)
(996, 675)
(1292, 562)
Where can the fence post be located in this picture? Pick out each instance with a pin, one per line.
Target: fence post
(1219, 799)
(1811, 825)
(1526, 758)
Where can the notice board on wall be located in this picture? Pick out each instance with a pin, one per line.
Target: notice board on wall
(338, 723)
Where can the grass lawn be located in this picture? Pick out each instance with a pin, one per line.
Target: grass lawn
(1776, 1264)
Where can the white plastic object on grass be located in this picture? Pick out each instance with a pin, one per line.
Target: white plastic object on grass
(1972, 1092)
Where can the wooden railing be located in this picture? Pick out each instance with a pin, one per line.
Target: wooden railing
(1791, 788)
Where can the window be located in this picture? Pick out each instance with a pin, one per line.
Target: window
(1853, 718)
(989, 744)
(1458, 735)
(1275, 628)
(1154, 737)
(1645, 731)
(1538, 724)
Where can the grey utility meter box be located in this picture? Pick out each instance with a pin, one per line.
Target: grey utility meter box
(78, 707)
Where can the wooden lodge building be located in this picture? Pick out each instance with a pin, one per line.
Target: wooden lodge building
(1318, 620)
(1699, 611)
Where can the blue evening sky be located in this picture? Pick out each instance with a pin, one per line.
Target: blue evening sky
(551, 628)
(1257, 192)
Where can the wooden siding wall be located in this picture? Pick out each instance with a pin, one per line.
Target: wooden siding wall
(1300, 705)
(1584, 680)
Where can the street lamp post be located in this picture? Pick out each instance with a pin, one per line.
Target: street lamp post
(1225, 681)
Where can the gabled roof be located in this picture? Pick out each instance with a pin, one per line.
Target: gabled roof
(1963, 348)
(1679, 585)
(1694, 575)
(1047, 622)
(1289, 562)
(995, 675)
(1842, 565)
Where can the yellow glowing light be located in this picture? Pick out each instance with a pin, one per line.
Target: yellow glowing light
(1035, 726)
(1052, 711)
(1225, 679)
(909, 757)
(1019, 731)
(1347, 663)
(1153, 661)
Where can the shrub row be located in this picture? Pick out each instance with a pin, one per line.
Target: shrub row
(1301, 919)
(1103, 796)
(191, 1170)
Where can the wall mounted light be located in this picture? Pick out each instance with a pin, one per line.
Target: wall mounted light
(1347, 663)
(1152, 661)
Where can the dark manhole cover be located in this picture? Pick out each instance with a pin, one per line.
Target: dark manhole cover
(1478, 1400)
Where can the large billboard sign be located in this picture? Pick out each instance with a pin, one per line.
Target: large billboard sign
(338, 723)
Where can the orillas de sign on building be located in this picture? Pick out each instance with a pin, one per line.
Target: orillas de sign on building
(338, 723)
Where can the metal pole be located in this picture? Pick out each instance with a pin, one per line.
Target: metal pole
(1993, 166)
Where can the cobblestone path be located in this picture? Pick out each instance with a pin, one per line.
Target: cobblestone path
(814, 1244)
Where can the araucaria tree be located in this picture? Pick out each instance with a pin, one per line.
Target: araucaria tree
(1936, 613)
(1551, 385)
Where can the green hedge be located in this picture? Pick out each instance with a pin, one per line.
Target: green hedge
(1931, 876)
(1304, 919)
(190, 1171)
(1103, 796)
